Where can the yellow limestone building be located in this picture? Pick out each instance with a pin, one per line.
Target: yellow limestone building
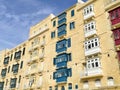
(72, 51)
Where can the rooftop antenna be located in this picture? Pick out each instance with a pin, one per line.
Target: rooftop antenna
(80, 1)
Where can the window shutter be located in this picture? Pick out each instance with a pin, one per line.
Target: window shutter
(21, 64)
(23, 51)
(54, 76)
(69, 57)
(69, 42)
(54, 61)
(69, 71)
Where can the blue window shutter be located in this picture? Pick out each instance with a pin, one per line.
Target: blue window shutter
(54, 76)
(54, 61)
(69, 71)
(70, 26)
(56, 46)
(69, 42)
(72, 13)
(69, 56)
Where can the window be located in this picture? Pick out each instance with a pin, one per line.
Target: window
(19, 79)
(31, 81)
(15, 68)
(62, 73)
(54, 23)
(115, 14)
(110, 81)
(62, 45)
(69, 72)
(88, 9)
(93, 63)
(116, 34)
(76, 86)
(62, 88)
(6, 60)
(17, 55)
(23, 51)
(6, 82)
(62, 30)
(13, 82)
(56, 87)
(89, 26)
(70, 86)
(3, 72)
(72, 25)
(21, 65)
(8, 69)
(62, 59)
(97, 83)
(1, 85)
(11, 57)
(50, 87)
(90, 44)
(85, 84)
(69, 57)
(72, 13)
(53, 34)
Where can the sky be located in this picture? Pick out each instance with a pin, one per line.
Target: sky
(17, 16)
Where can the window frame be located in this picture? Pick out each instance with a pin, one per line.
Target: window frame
(91, 44)
(89, 9)
(93, 63)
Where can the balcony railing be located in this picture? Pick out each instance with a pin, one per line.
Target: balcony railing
(35, 58)
(33, 71)
(39, 32)
(90, 33)
(42, 43)
(87, 16)
(92, 51)
(41, 55)
(91, 73)
(61, 79)
(39, 83)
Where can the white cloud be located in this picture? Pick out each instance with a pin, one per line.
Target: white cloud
(7, 43)
(15, 27)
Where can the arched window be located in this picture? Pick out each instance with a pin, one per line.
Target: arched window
(76, 86)
(97, 83)
(85, 84)
(62, 88)
(70, 86)
(110, 81)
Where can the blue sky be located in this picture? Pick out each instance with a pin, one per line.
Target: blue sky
(17, 16)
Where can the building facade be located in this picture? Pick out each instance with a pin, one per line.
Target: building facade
(79, 49)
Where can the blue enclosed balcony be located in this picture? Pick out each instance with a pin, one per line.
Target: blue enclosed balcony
(61, 46)
(61, 33)
(62, 21)
(62, 64)
(61, 75)
(62, 30)
(61, 79)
